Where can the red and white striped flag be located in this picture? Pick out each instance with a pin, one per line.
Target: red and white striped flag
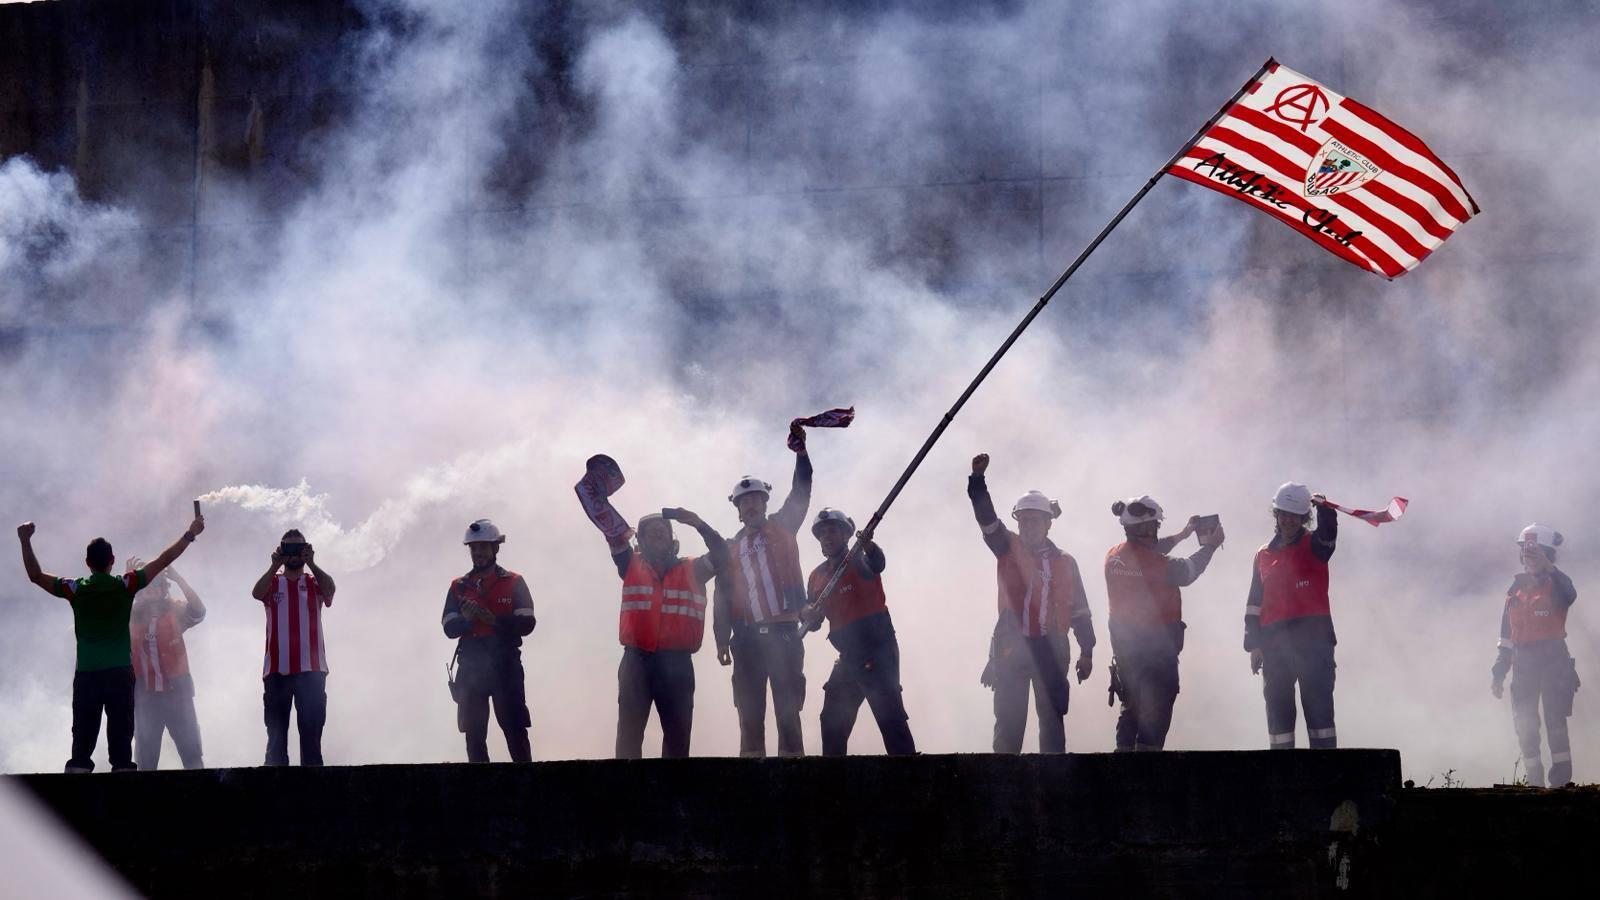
(1336, 171)
(1375, 517)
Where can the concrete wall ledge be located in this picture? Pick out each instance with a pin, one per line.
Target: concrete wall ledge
(1299, 824)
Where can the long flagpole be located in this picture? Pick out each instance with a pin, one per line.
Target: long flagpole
(927, 445)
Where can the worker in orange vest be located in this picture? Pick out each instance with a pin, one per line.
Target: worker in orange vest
(489, 611)
(1145, 619)
(868, 668)
(1041, 596)
(661, 624)
(1533, 648)
(1288, 624)
(758, 609)
(163, 689)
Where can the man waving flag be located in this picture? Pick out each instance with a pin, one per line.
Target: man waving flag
(1332, 169)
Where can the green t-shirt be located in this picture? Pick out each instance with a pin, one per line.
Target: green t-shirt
(101, 605)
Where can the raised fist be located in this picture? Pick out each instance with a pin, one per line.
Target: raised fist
(980, 463)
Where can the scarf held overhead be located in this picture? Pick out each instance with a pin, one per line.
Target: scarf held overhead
(833, 418)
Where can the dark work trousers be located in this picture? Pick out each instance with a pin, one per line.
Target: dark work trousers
(762, 655)
(109, 691)
(170, 711)
(492, 673)
(1543, 673)
(308, 693)
(1147, 665)
(664, 678)
(1039, 663)
(868, 670)
(1299, 651)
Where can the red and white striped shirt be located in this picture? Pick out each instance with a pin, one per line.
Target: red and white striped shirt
(294, 627)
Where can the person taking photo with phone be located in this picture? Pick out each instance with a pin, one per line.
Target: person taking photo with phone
(294, 669)
(102, 605)
(489, 611)
(1143, 587)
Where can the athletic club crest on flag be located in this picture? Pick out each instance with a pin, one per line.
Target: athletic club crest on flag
(1337, 169)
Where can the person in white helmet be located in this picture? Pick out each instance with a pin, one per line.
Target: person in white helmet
(1533, 648)
(489, 611)
(1040, 596)
(1145, 616)
(757, 613)
(1288, 626)
(857, 611)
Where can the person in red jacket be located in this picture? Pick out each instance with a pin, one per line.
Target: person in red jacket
(661, 624)
(1288, 626)
(489, 611)
(1146, 617)
(868, 668)
(1040, 596)
(163, 688)
(1533, 648)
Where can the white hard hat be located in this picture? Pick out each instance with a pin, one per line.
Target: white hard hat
(1293, 497)
(1036, 500)
(749, 485)
(1138, 510)
(826, 515)
(483, 531)
(1543, 535)
(655, 516)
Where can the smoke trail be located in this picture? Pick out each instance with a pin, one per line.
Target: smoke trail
(366, 544)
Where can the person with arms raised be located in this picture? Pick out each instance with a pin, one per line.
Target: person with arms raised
(1041, 596)
(102, 606)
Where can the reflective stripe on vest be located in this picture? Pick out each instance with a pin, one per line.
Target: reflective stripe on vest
(670, 612)
(1294, 583)
(1039, 590)
(1136, 587)
(1532, 611)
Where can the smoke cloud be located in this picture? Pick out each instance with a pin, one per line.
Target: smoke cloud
(534, 236)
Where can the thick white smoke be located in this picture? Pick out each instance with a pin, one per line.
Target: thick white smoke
(732, 222)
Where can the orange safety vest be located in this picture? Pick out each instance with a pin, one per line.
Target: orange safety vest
(854, 596)
(768, 584)
(1137, 588)
(1294, 583)
(1532, 611)
(158, 652)
(1038, 590)
(662, 612)
(494, 592)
